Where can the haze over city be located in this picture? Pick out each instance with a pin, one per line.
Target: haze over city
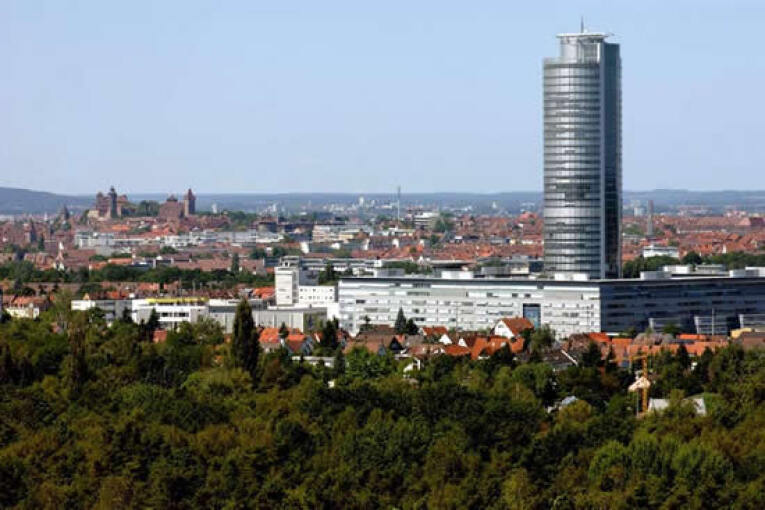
(354, 97)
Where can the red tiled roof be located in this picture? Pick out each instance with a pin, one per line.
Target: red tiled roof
(456, 350)
(295, 337)
(295, 341)
(269, 335)
(478, 347)
(435, 331)
(599, 337)
(698, 348)
(689, 336)
(621, 341)
(264, 292)
(517, 324)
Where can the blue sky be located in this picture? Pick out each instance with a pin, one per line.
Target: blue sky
(350, 96)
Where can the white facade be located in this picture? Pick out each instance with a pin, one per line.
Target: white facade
(426, 219)
(700, 304)
(171, 311)
(223, 312)
(655, 250)
(296, 285)
(286, 279)
(93, 240)
(468, 304)
(333, 233)
(305, 319)
(112, 308)
(316, 295)
(23, 312)
(102, 240)
(501, 329)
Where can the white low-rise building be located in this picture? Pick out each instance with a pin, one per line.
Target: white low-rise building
(655, 250)
(112, 308)
(171, 310)
(28, 311)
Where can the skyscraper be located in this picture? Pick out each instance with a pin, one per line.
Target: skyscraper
(583, 157)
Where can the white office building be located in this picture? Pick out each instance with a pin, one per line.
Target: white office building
(705, 304)
(289, 277)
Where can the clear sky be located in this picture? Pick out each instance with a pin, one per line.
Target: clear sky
(359, 96)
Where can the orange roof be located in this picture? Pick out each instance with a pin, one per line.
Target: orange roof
(621, 341)
(689, 336)
(435, 330)
(269, 335)
(698, 348)
(634, 350)
(121, 261)
(264, 292)
(496, 343)
(491, 345)
(599, 337)
(478, 347)
(294, 341)
(456, 350)
(295, 337)
(518, 324)
(516, 346)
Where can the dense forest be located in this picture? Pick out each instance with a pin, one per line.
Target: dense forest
(97, 416)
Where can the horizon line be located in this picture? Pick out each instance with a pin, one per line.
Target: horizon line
(392, 192)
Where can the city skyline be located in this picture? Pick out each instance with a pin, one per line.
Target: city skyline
(357, 98)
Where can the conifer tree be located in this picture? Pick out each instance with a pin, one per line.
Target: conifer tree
(245, 347)
(400, 326)
(329, 336)
(75, 365)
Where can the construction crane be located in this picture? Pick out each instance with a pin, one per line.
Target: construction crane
(642, 383)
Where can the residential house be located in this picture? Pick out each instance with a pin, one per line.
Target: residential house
(511, 327)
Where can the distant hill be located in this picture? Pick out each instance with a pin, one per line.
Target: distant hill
(21, 201)
(24, 201)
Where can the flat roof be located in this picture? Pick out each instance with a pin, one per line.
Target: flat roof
(550, 281)
(584, 35)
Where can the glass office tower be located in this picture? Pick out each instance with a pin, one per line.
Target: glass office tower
(583, 157)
